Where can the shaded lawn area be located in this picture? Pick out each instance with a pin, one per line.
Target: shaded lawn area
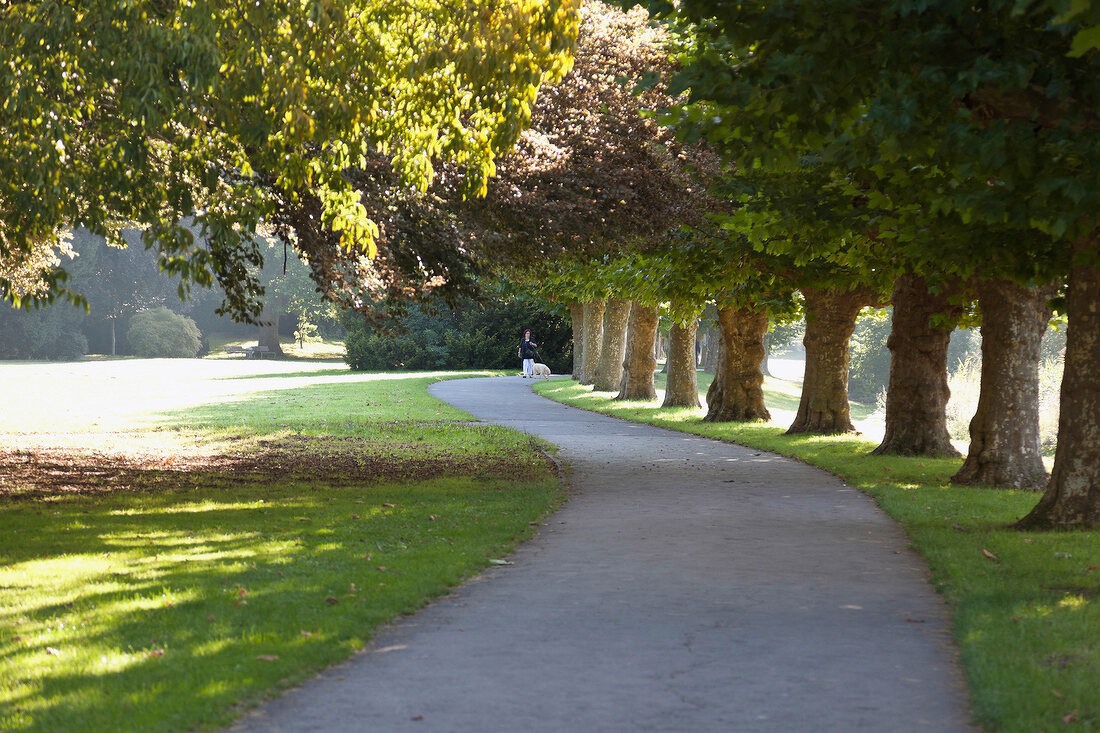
(1025, 606)
(159, 568)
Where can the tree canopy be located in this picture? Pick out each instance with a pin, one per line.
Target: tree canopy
(150, 113)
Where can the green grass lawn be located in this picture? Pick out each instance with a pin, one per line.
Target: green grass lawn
(1025, 606)
(182, 537)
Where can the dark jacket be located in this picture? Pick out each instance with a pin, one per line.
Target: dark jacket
(527, 350)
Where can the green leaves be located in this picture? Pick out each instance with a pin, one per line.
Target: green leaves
(213, 115)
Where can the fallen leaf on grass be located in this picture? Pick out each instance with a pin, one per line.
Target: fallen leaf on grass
(386, 503)
(380, 568)
(156, 652)
(268, 657)
(367, 556)
(241, 593)
(332, 601)
(433, 517)
(1056, 693)
(1070, 717)
(53, 652)
(990, 555)
(354, 516)
(307, 634)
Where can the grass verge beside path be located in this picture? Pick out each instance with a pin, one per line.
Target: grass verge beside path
(160, 568)
(1026, 606)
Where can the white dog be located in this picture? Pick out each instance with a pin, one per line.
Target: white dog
(541, 370)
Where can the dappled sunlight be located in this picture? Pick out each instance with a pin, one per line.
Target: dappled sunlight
(183, 533)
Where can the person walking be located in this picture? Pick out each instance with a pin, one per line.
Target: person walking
(528, 354)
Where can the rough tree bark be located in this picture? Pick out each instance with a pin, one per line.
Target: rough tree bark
(269, 328)
(916, 397)
(712, 346)
(830, 320)
(682, 388)
(767, 351)
(609, 370)
(641, 360)
(1072, 497)
(1004, 433)
(576, 316)
(736, 394)
(593, 336)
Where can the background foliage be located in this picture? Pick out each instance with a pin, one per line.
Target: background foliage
(483, 336)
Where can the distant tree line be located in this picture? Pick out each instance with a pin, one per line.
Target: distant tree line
(119, 283)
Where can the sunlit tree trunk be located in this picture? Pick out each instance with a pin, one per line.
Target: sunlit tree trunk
(916, 397)
(269, 328)
(576, 316)
(830, 320)
(682, 386)
(641, 360)
(737, 394)
(1004, 434)
(767, 352)
(593, 335)
(609, 370)
(1072, 497)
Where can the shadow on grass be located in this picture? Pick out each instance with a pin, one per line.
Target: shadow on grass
(164, 611)
(299, 520)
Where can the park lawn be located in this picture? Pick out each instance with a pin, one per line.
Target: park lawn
(181, 545)
(1025, 605)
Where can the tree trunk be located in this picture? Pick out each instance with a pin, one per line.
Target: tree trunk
(641, 360)
(767, 351)
(609, 370)
(916, 397)
(682, 387)
(593, 335)
(269, 328)
(576, 316)
(736, 394)
(830, 320)
(1004, 434)
(711, 350)
(1072, 497)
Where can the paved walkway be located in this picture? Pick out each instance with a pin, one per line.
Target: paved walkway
(688, 585)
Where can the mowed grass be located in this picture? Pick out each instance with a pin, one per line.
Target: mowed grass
(182, 537)
(1025, 606)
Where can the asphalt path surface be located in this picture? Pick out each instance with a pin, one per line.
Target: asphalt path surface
(687, 585)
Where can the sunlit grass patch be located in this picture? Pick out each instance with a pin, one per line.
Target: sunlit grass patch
(143, 612)
(1026, 606)
(182, 535)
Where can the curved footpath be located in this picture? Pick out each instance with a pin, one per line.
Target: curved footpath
(688, 585)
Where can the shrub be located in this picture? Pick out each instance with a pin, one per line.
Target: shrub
(161, 333)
